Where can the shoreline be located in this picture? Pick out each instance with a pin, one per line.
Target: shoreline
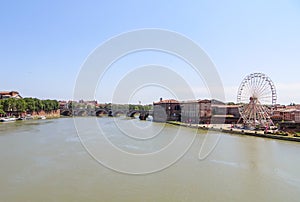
(225, 128)
(33, 117)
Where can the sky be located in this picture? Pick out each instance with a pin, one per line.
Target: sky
(44, 44)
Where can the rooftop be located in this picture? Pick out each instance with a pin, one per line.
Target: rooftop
(167, 101)
(9, 94)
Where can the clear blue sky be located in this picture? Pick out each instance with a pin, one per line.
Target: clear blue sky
(44, 43)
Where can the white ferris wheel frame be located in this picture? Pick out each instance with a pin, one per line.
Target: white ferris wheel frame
(256, 96)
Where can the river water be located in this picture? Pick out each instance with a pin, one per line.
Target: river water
(44, 160)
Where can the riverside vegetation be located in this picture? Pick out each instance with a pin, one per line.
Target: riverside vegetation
(11, 106)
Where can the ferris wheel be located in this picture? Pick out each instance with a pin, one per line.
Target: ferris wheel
(256, 96)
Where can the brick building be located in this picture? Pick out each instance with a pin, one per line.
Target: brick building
(195, 111)
(222, 113)
(166, 110)
(286, 114)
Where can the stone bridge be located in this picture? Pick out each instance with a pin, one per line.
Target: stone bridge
(143, 114)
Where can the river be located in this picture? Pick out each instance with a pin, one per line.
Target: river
(44, 160)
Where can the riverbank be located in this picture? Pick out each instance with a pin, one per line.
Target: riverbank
(32, 117)
(49, 116)
(226, 128)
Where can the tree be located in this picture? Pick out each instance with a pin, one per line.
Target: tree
(20, 105)
(27, 104)
(70, 105)
(2, 112)
(39, 105)
(47, 105)
(8, 104)
(50, 105)
(30, 104)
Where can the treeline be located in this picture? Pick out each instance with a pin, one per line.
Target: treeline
(140, 107)
(108, 106)
(130, 107)
(27, 105)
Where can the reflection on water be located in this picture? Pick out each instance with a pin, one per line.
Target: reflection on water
(43, 160)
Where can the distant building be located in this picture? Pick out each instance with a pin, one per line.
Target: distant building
(222, 113)
(205, 110)
(208, 111)
(190, 111)
(286, 114)
(287, 117)
(166, 110)
(63, 105)
(10, 94)
(91, 102)
(195, 111)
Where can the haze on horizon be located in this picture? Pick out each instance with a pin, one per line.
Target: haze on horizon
(45, 43)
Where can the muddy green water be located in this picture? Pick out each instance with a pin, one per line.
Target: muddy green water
(44, 160)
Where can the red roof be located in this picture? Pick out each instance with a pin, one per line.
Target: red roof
(8, 92)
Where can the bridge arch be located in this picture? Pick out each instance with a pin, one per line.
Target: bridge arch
(116, 113)
(81, 113)
(142, 114)
(66, 113)
(102, 112)
(132, 113)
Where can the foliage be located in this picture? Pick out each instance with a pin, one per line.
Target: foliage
(50, 105)
(71, 105)
(1, 108)
(28, 104)
(20, 105)
(2, 112)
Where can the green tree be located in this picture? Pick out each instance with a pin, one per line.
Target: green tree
(50, 105)
(56, 105)
(9, 104)
(70, 105)
(2, 112)
(46, 105)
(39, 105)
(30, 104)
(108, 106)
(20, 105)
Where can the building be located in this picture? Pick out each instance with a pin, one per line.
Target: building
(166, 110)
(286, 114)
(208, 111)
(195, 111)
(205, 112)
(63, 104)
(190, 111)
(88, 102)
(10, 94)
(222, 113)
